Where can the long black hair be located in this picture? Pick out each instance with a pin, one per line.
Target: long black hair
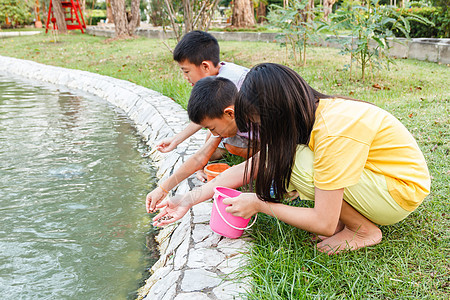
(277, 107)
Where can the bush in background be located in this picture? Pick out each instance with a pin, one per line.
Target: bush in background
(14, 13)
(94, 16)
(437, 15)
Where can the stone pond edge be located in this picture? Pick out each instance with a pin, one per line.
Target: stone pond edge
(194, 262)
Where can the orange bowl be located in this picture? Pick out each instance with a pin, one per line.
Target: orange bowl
(212, 170)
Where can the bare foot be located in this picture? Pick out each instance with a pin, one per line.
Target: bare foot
(348, 240)
(201, 175)
(340, 226)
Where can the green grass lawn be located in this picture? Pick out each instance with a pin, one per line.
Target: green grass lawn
(412, 261)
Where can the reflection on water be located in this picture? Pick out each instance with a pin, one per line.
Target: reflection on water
(72, 187)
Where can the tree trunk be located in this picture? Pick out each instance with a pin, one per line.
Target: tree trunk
(243, 14)
(135, 17)
(309, 11)
(109, 13)
(125, 27)
(187, 8)
(327, 8)
(261, 12)
(59, 15)
(120, 18)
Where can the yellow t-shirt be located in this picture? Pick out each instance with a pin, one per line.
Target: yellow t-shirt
(349, 136)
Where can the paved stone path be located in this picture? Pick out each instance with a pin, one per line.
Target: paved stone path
(195, 263)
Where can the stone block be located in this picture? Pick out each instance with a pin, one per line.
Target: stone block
(201, 232)
(231, 247)
(192, 296)
(156, 276)
(163, 287)
(181, 254)
(202, 212)
(181, 233)
(399, 48)
(204, 258)
(231, 265)
(230, 290)
(198, 279)
(423, 51)
(444, 53)
(267, 36)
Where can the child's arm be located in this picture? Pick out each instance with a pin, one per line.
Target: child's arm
(170, 143)
(194, 163)
(321, 219)
(176, 207)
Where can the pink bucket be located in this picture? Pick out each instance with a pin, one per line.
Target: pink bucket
(223, 222)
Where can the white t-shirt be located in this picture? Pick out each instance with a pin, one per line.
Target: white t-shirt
(233, 72)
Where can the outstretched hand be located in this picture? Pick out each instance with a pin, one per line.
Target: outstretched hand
(172, 209)
(153, 198)
(167, 145)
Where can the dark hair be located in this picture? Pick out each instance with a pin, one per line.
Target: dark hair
(197, 46)
(209, 98)
(277, 107)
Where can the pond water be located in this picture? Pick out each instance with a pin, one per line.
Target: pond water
(73, 180)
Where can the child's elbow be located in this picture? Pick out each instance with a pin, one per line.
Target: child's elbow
(326, 228)
(327, 231)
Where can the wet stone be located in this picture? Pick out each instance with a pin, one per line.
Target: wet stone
(160, 288)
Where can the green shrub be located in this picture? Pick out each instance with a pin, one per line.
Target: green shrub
(441, 20)
(94, 16)
(95, 20)
(15, 12)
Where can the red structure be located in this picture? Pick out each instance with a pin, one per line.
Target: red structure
(72, 13)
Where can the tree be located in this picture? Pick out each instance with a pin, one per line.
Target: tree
(327, 8)
(58, 12)
(261, 10)
(125, 21)
(298, 25)
(109, 14)
(371, 25)
(243, 14)
(197, 15)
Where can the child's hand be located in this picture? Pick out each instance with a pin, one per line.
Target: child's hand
(201, 175)
(153, 198)
(167, 145)
(245, 205)
(172, 209)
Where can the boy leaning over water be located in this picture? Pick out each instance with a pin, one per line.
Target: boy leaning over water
(198, 55)
(210, 106)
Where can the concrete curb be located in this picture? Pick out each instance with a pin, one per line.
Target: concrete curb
(195, 262)
(433, 50)
(17, 33)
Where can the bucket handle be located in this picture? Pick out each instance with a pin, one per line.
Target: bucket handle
(232, 226)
